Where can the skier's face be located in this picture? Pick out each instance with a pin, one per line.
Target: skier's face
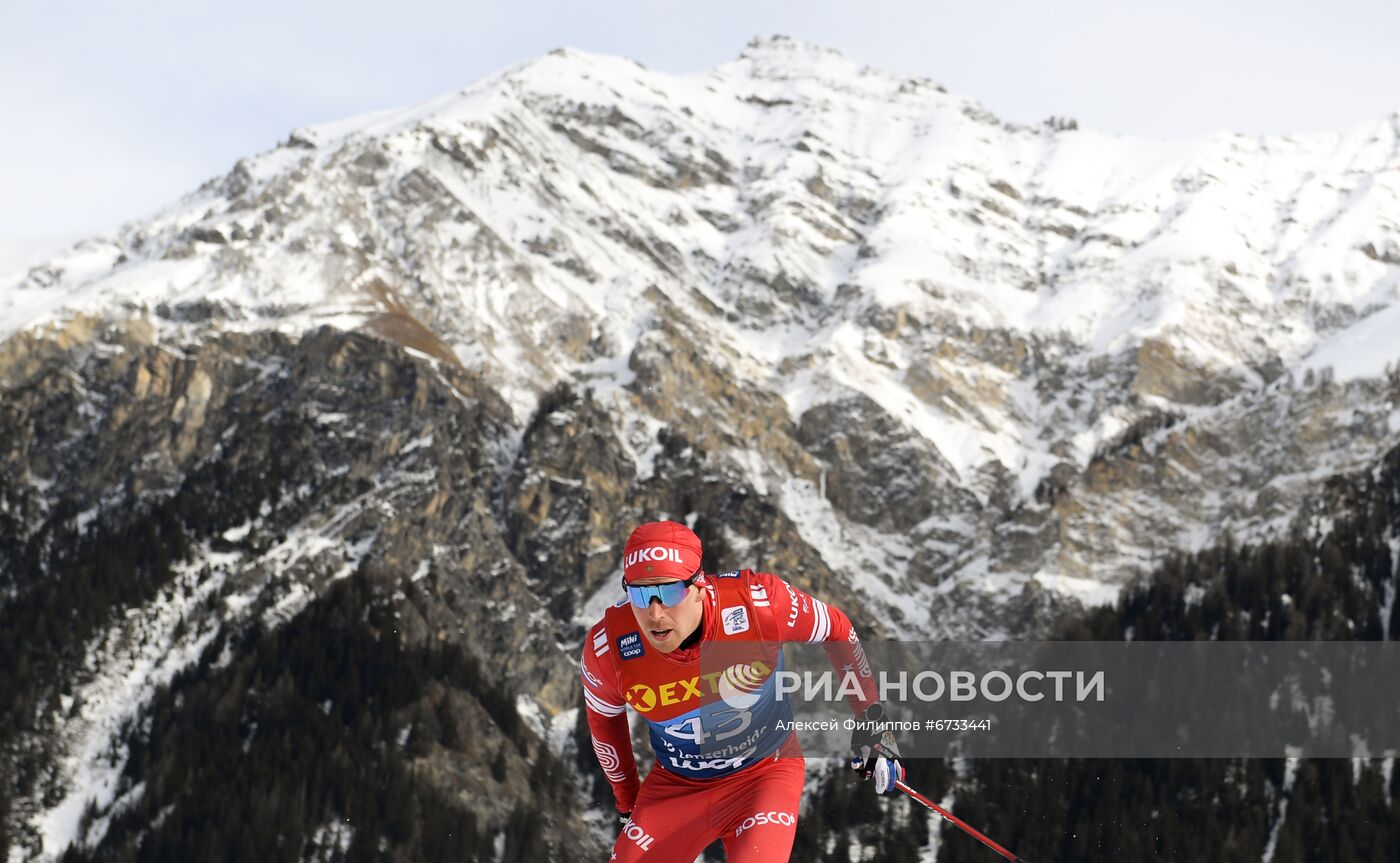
(666, 627)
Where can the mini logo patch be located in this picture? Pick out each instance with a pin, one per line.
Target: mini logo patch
(733, 573)
(736, 619)
(630, 645)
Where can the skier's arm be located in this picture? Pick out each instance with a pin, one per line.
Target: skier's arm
(606, 711)
(802, 617)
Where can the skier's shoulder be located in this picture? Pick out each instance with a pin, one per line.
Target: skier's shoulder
(761, 586)
(746, 577)
(615, 615)
(743, 581)
(596, 640)
(598, 668)
(764, 591)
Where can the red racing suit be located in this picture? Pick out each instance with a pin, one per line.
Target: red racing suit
(726, 763)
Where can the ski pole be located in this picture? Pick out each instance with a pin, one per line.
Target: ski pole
(957, 822)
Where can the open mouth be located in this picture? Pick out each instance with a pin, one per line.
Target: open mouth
(660, 634)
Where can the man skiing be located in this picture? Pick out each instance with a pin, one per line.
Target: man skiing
(694, 655)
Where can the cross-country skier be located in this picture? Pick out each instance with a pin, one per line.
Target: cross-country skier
(693, 654)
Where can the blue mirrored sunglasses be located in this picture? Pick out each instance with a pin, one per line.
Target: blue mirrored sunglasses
(669, 592)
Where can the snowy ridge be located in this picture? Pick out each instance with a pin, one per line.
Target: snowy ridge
(153, 644)
(1309, 218)
(1016, 296)
(127, 664)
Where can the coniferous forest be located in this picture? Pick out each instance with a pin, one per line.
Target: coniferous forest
(301, 741)
(308, 728)
(276, 738)
(1331, 584)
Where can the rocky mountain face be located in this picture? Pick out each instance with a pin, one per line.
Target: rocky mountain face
(956, 375)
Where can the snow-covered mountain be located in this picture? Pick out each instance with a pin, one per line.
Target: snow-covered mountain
(845, 246)
(950, 371)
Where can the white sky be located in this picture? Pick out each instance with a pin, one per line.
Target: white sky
(110, 109)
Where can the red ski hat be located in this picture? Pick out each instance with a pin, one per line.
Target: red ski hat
(661, 549)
